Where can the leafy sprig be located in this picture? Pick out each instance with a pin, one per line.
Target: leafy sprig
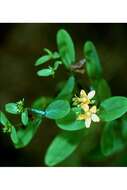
(112, 110)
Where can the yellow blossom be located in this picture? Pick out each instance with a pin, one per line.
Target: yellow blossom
(83, 100)
(89, 115)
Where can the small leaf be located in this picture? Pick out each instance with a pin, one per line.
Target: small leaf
(66, 92)
(43, 60)
(11, 108)
(62, 146)
(57, 109)
(56, 65)
(70, 122)
(41, 102)
(66, 48)
(93, 65)
(55, 55)
(102, 89)
(3, 119)
(6, 123)
(26, 135)
(46, 72)
(14, 136)
(24, 117)
(113, 108)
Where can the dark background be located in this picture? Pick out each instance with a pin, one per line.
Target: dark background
(21, 45)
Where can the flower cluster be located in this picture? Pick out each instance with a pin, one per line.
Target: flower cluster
(89, 110)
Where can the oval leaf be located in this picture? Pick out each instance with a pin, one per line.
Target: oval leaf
(58, 109)
(45, 72)
(66, 48)
(24, 117)
(102, 90)
(3, 119)
(62, 146)
(14, 136)
(93, 65)
(41, 102)
(113, 108)
(70, 123)
(43, 59)
(26, 135)
(11, 108)
(66, 92)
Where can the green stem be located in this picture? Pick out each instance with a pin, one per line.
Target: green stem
(40, 112)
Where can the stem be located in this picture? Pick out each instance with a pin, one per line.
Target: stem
(40, 112)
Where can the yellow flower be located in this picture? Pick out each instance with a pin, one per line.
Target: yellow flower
(89, 116)
(84, 99)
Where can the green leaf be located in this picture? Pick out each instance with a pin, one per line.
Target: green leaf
(55, 55)
(41, 102)
(11, 108)
(6, 123)
(70, 123)
(102, 89)
(113, 108)
(26, 135)
(56, 65)
(46, 72)
(43, 60)
(93, 66)
(14, 136)
(66, 48)
(66, 92)
(62, 146)
(124, 126)
(24, 117)
(111, 141)
(3, 119)
(107, 139)
(58, 109)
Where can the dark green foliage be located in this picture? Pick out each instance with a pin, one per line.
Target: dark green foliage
(62, 146)
(93, 66)
(67, 91)
(113, 108)
(24, 136)
(57, 109)
(70, 123)
(66, 48)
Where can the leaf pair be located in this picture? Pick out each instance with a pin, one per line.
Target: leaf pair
(22, 136)
(18, 108)
(66, 53)
(50, 55)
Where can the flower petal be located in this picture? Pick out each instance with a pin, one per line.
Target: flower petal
(95, 118)
(91, 94)
(93, 109)
(88, 122)
(83, 93)
(85, 107)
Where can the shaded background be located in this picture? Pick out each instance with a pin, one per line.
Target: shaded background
(21, 45)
